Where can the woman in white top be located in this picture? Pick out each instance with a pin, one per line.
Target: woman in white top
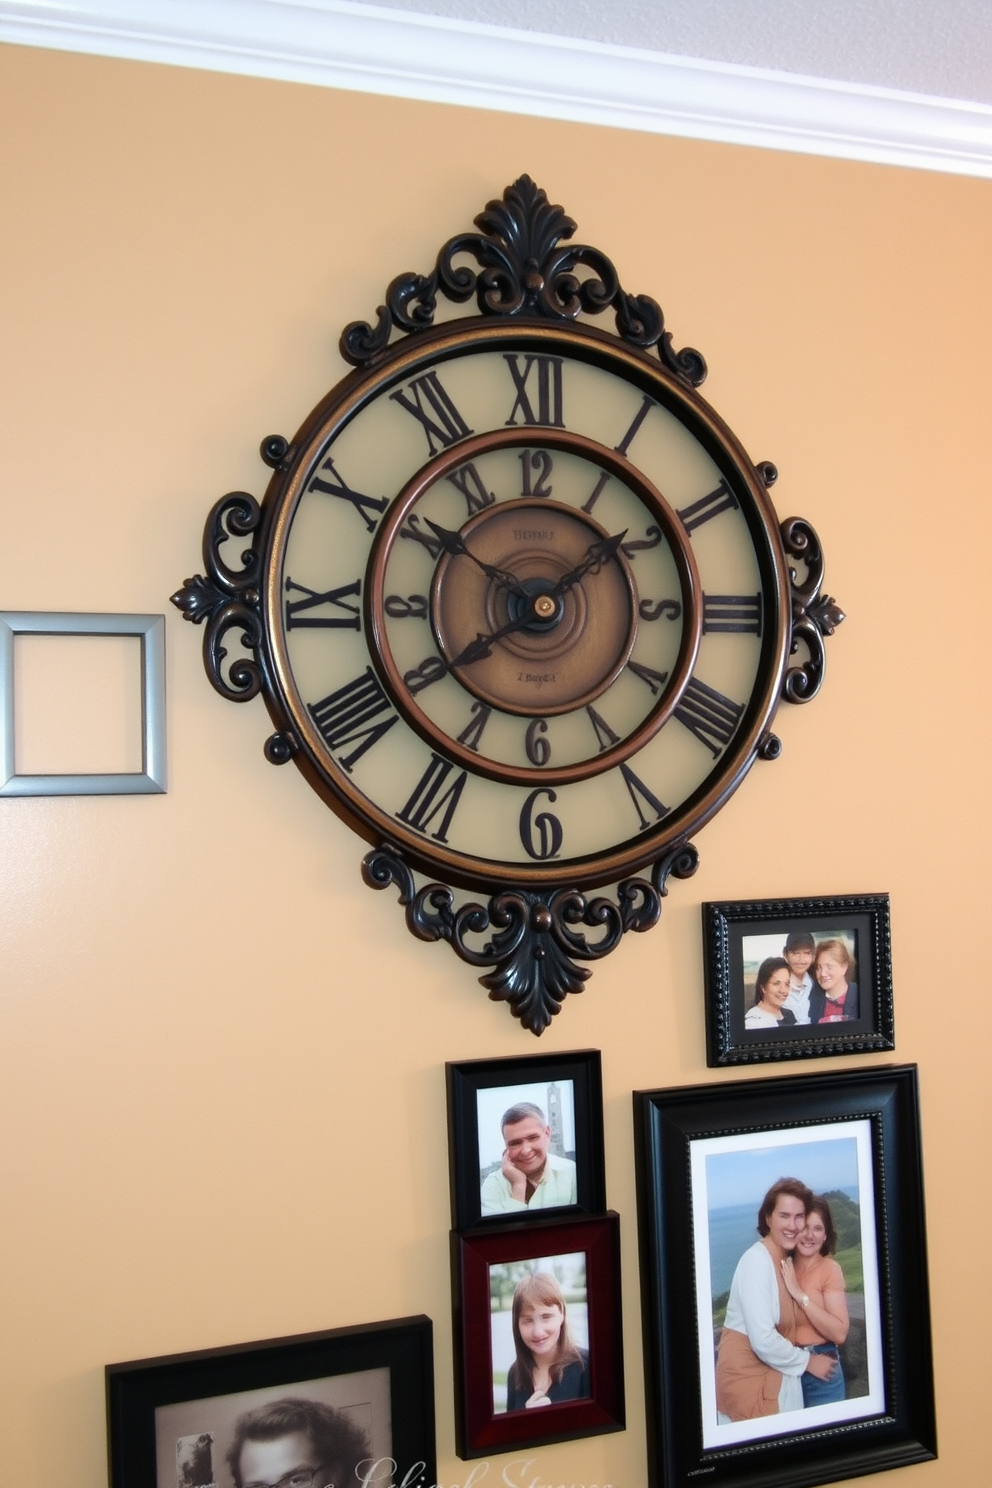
(759, 1367)
(771, 990)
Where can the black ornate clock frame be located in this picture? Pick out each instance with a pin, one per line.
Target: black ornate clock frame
(533, 938)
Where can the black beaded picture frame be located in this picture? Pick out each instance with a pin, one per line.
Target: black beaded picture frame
(747, 942)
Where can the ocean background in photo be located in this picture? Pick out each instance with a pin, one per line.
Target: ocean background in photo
(732, 1231)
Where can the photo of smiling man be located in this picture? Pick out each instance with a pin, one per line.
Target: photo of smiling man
(533, 1170)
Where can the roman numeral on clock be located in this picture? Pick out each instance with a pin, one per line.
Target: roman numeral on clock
(433, 797)
(545, 386)
(337, 486)
(707, 507)
(359, 712)
(350, 620)
(428, 402)
(646, 405)
(732, 614)
(468, 480)
(639, 792)
(708, 714)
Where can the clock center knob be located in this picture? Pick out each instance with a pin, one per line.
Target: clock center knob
(536, 605)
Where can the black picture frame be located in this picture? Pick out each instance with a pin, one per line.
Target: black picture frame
(354, 1370)
(484, 1342)
(737, 934)
(477, 1082)
(694, 1146)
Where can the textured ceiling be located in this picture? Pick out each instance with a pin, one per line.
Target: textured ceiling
(941, 47)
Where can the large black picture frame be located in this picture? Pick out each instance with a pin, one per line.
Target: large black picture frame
(470, 1081)
(402, 1346)
(863, 919)
(877, 1110)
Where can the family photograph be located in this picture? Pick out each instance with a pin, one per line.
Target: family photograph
(804, 977)
(784, 1233)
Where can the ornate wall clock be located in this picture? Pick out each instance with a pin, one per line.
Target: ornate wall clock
(517, 602)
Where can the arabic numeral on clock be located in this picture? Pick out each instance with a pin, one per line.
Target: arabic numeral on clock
(545, 385)
(732, 614)
(655, 680)
(639, 793)
(433, 797)
(605, 736)
(708, 714)
(658, 609)
(339, 487)
(535, 473)
(431, 406)
(471, 734)
(541, 835)
(350, 620)
(429, 671)
(358, 713)
(413, 531)
(597, 491)
(537, 744)
(398, 608)
(640, 544)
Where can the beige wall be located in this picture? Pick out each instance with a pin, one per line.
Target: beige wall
(222, 1078)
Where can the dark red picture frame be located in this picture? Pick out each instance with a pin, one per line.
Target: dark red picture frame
(479, 1428)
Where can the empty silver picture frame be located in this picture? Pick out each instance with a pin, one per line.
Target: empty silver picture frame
(150, 630)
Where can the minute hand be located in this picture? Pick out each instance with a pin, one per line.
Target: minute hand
(482, 645)
(601, 551)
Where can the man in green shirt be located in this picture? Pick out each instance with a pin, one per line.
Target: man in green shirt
(531, 1176)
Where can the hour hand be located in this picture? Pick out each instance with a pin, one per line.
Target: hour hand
(454, 543)
(481, 647)
(600, 552)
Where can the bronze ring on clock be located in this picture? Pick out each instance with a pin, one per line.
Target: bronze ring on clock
(531, 602)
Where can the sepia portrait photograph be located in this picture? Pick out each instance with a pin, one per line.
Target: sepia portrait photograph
(344, 1406)
(330, 1429)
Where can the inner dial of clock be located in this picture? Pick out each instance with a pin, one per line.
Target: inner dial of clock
(552, 620)
(547, 623)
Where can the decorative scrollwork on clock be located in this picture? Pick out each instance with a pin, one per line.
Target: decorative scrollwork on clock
(526, 270)
(535, 946)
(228, 598)
(814, 615)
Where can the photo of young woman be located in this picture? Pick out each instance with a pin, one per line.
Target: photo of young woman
(540, 1341)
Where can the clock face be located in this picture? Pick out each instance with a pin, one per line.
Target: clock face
(523, 605)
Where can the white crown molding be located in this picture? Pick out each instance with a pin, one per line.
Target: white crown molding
(369, 48)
